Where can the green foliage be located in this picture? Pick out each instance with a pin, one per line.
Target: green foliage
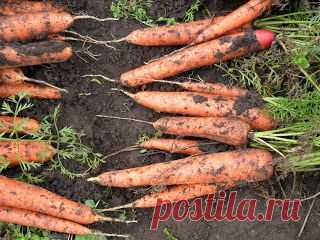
(190, 13)
(169, 235)
(18, 232)
(90, 237)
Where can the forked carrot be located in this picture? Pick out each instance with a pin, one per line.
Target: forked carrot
(21, 125)
(38, 220)
(37, 53)
(250, 165)
(29, 197)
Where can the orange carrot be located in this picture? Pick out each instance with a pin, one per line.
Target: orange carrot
(35, 26)
(241, 16)
(249, 165)
(174, 35)
(174, 194)
(8, 8)
(14, 152)
(29, 197)
(37, 53)
(205, 105)
(21, 125)
(219, 50)
(32, 90)
(38, 220)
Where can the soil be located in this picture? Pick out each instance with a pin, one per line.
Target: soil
(87, 99)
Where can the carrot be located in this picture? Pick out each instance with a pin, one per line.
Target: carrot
(35, 26)
(29, 197)
(18, 151)
(21, 125)
(219, 50)
(32, 90)
(174, 194)
(205, 105)
(17, 7)
(226, 130)
(249, 165)
(243, 15)
(38, 220)
(173, 35)
(210, 88)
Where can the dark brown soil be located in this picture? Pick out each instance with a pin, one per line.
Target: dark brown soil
(86, 99)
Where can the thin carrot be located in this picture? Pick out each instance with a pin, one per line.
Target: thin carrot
(29, 197)
(250, 165)
(8, 8)
(32, 90)
(174, 194)
(241, 16)
(225, 130)
(35, 26)
(14, 152)
(205, 105)
(37, 53)
(214, 51)
(21, 125)
(38, 220)
(174, 35)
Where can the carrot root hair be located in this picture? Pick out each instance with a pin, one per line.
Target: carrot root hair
(117, 220)
(94, 18)
(97, 233)
(127, 149)
(129, 205)
(93, 76)
(124, 118)
(32, 80)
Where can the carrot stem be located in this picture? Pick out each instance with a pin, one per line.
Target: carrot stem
(124, 118)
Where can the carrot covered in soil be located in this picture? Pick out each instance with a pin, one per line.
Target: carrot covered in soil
(239, 17)
(21, 125)
(35, 26)
(26, 196)
(8, 8)
(32, 219)
(14, 152)
(37, 53)
(206, 105)
(250, 165)
(174, 35)
(215, 51)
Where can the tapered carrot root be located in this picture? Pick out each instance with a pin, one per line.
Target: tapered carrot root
(205, 105)
(249, 165)
(25, 196)
(244, 14)
(8, 8)
(174, 194)
(18, 151)
(174, 35)
(32, 90)
(21, 125)
(219, 50)
(37, 53)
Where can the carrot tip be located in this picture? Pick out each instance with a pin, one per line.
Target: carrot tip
(97, 233)
(93, 179)
(109, 219)
(265, 37)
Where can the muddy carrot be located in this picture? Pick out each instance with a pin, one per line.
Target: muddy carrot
(21, 125)
(8, 8)
(225, 130)
(37, 53)
(205, 105)
(174, 194)
(38, 220)
(14, 152)
(29, 197)
(35, 26)
(173, 35)
(241, 16)
(214, 51)
(250, 165)
(32, 90)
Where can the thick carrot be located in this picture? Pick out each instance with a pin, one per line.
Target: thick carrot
(244, 14)
(37, 53)
(18, 151)
(205, 105)
(174, 35)
(25, 196)
(32, 90)
(214, 51)
(249, 165)
(8, 8)
(21, 125)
